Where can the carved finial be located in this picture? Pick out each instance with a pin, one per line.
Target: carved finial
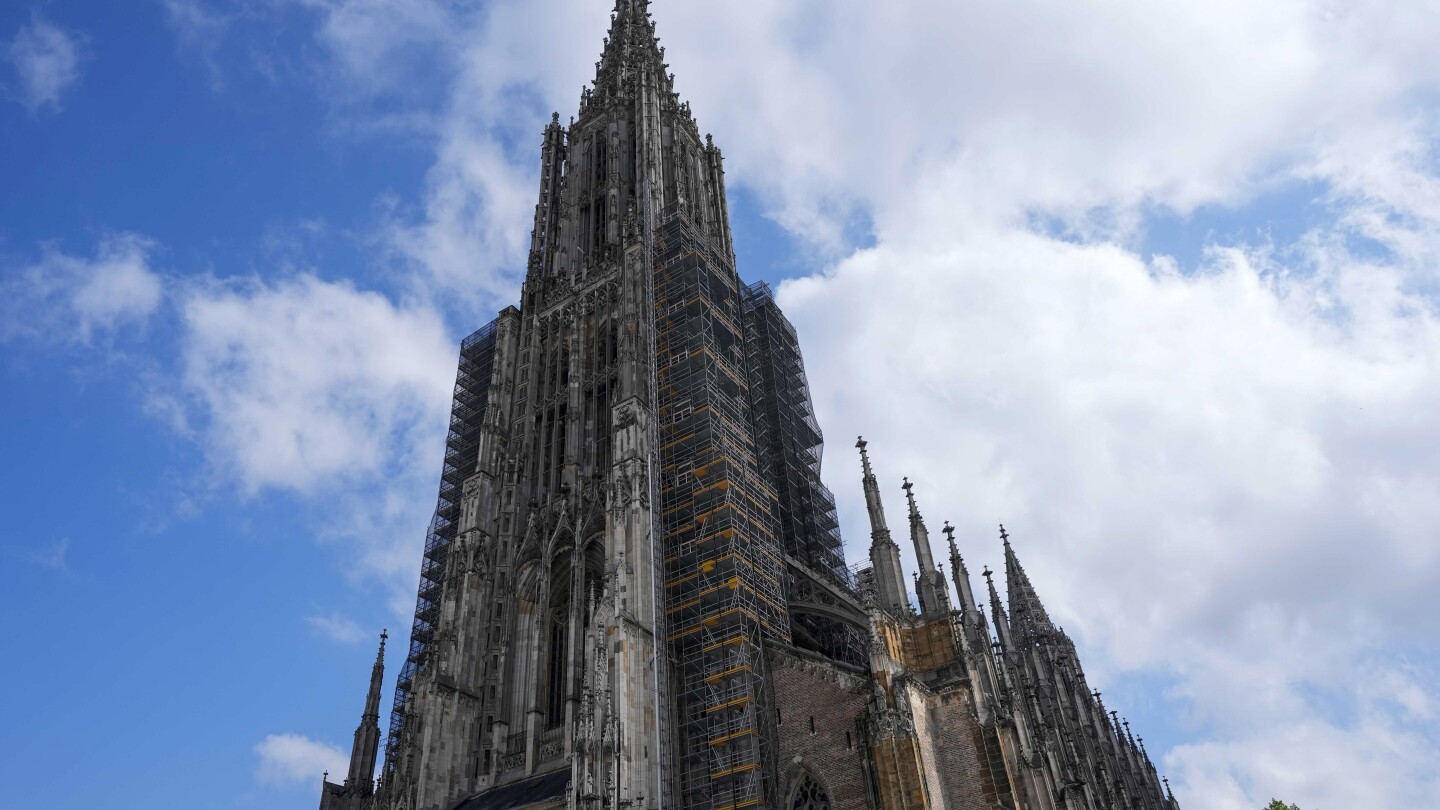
(864, 456)
(987, 573)
(1004, 536)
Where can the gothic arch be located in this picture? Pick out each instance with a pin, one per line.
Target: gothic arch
(807, 792)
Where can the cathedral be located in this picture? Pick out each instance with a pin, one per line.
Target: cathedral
(633, 593)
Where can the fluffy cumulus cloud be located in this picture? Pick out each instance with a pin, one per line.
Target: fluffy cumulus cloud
(1218, 471)
(46, 60)
(1215, 476)
(293, 759)
(321, 389)
(65, 298)
(302, 382)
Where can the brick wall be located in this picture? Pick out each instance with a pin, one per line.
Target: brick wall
(819, 704)
(955, 743)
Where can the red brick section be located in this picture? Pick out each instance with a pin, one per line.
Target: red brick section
(806, 688)
(964, 772)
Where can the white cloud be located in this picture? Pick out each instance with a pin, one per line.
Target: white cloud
(305, 384)
(1212, 476)
(69, 298)
(328, 391)
(46, 60)
(290, 759)
(337, 628)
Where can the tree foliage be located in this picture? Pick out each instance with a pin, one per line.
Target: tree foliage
(1276, 804)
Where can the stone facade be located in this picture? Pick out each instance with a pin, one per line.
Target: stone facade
(633, 593)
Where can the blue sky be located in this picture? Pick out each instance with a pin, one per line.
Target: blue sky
(1161, 297)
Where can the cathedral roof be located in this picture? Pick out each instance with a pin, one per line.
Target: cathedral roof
(520, 794)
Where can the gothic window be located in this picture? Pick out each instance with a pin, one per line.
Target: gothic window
(810, 796)
(555, 696)
(598, 238)
(555, 641)
(601, 160)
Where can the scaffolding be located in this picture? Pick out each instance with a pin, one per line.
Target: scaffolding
(788, 439)
(723, 564)
(467, 416)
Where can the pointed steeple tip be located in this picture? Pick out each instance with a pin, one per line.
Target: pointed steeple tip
(1004, 535)
(864, 456)
(909, 488)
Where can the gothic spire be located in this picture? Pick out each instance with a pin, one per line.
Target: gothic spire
(631, 39)
(919, 535)
(960, 574)
(1025, 608)
(367, 735)
(997, 611)
(884, 554)
(930, 583)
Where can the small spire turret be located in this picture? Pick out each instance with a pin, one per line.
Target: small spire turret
(884, 554)
(929, 582)
(1002, 622)
(367, 735)
(960, 574)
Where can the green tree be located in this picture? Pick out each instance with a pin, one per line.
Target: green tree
(1276, 804)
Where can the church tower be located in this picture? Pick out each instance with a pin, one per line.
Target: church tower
(633, 593)
(604, 567)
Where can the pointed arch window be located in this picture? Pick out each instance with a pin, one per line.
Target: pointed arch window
(810, 796)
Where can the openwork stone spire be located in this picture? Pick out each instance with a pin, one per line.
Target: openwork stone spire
(1028, 615)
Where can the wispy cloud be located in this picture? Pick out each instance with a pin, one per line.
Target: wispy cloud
(201, 29)
(337, 628)
(46, 59)
(290, 759)
(52, 557)
(65, 298)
